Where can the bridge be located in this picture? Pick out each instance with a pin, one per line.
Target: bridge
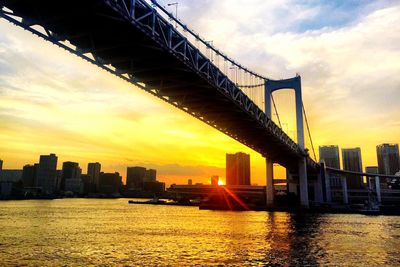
(142, 43)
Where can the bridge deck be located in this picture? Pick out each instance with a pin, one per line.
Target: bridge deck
(144, 48)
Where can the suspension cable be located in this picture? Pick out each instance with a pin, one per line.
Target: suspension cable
(276, 111)
(308, 130)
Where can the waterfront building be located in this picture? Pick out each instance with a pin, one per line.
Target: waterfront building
(110, 183)
(87, 185)
(135, 177)
(47, 173)
(214, 180)
(388, 158)
(330, 155)
(352, 162)
(150, 176)
(1, 168)
(71, 177)
(238, 169)
(29, 173)
(155, 187)
(93, 171)
(11, 175)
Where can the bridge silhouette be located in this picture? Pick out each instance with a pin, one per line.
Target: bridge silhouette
(142, 43)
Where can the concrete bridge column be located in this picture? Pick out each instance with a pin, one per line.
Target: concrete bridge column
(269, 182)
(344, 190)
(326, 182)
(303, 183)
(319, 196)
(378, 189)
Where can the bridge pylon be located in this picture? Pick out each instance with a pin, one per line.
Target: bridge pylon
(295, 84)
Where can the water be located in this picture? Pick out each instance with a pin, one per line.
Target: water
(82, 232)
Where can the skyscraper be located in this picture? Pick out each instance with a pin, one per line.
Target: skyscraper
(29, 173)
(71, 177)
(110, 183)
(47, 173)
(330, 154)
(135, 177)
(94, 173)
(352, 162)
(388, 158)
(151, 175)
(238, 169)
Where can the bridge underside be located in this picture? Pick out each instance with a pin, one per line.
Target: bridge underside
(97, 30)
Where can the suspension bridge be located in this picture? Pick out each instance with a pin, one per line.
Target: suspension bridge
(142, 43)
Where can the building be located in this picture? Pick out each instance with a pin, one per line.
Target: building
(1, 168)
(238, 169)
(94, 173)
(151, 175)
(157, 188)
(110, 183)
(135, 177)
(87, 186)
(330, 155)
(190, 181)
(388, 158)
(71, 178)
(11, 175)
(352, 162)
(29, 173)
(214, 180)
(47, 173)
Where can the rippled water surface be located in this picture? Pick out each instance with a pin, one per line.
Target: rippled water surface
(82, 232)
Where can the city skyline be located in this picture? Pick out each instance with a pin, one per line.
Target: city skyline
(71, 117)
(332, 155)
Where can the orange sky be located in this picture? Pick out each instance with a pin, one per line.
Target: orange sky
(54, 102)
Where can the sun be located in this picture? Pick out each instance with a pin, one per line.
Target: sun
(221, 182)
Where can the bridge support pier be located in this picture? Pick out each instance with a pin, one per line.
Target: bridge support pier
(303, 183)
(319, 196)
(378, 189)
(269, 182)
(344, 190)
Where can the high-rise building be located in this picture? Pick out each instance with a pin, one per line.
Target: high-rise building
(110, 183)
(330, 154)
(1, 168)
(135, 177)
(29, 173)
(214, 180)
(388, 158)
(190, 182)
(151, 175)
(94, 173)
(71, 177)
(47, 173)
(352, 162)
(238, 169)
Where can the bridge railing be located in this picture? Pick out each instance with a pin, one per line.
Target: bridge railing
(351, 187)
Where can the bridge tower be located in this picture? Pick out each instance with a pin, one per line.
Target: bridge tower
(295, 84)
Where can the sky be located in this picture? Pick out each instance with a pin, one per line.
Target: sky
(347, 52)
